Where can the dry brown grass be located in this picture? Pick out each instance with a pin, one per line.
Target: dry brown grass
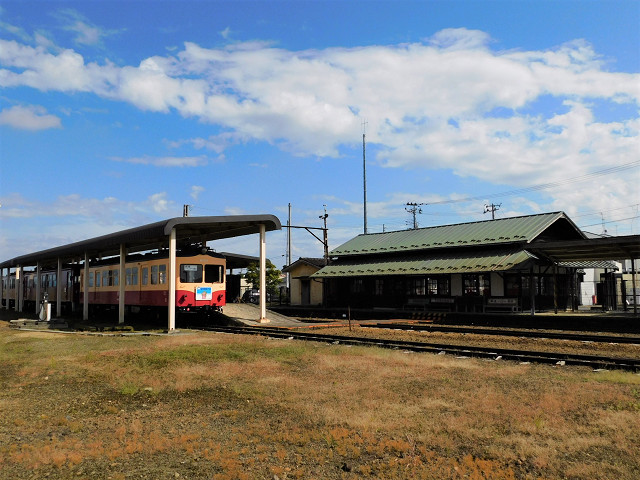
(213, 406)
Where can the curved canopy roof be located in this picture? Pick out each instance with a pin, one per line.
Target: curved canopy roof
(154, 235)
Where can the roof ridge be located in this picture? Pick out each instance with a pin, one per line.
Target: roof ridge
(559, 212)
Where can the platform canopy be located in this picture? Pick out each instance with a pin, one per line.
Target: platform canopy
(154, 235)
(605, 248)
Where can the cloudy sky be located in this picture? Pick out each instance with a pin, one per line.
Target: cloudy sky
(115, 114)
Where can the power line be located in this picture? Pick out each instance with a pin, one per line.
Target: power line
(610, 221)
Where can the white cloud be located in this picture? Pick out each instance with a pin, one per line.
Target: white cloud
(196, 190)
(165, 161)
(30, 117)
(85, 32)
(448, 103)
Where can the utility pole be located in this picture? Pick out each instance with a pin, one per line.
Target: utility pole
(185, 210)
(364, 172)
(414, 209)
(289, 248)
(492, 208)
(325, 236)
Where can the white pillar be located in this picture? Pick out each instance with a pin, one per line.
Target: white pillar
(122, 282)
(38, 291)
(59, 289)
(19, 289)
(172, 281)
(263, 275)
(85, 287)
(2, 289)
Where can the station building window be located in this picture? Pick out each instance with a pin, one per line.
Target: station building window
(438, 286)
(416, 286)
(476, 285)
(357, 285)
(379, 287)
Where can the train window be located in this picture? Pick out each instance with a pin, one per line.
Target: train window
(116, 277)
(190, 273)
(132, 276)
(213, 273)
(98, 277)
(145, 275)
(105, 278)
(162, 274)
(90, 279)
(154, 274)
(54, 280)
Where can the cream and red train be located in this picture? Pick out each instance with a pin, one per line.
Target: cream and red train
(200, 283)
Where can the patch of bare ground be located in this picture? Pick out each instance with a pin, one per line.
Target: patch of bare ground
(217, 406)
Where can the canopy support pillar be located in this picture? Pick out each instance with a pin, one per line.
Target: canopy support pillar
(19, 289)
(263, 275)
(171, 305)
(85, 288)
(38, 290)
(58, 290)
(122, 282)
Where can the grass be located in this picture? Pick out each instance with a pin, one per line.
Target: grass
(215, 406)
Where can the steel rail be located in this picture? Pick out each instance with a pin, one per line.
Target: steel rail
(561, 358)
(579, 337)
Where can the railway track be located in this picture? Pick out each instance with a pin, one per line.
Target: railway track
(559, 358)
(578, 337)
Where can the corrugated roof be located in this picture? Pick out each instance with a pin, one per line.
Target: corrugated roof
(489, 232)
(490, 261)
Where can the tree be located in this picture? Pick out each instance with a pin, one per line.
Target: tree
(272, 276)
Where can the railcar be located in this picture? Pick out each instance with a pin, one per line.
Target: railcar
(200, 283)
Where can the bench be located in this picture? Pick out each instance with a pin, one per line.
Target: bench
(434, 303)
(501, 304)
(414, 303)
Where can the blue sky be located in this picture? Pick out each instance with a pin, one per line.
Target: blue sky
(114, 114)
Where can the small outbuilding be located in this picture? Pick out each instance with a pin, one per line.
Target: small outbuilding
(305, 289)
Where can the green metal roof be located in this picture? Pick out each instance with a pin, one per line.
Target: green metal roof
(489, 261)
(489, 232)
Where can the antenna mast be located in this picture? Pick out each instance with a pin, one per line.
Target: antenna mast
(364, 171)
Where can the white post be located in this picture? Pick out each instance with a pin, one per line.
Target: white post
(122, 281)
(263, 275)
(2, 287)
(38, 291)
(19, 289)
(59, 289)
(172, 281)
(85, 287)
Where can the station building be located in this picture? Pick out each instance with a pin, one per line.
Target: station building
(492, 265)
